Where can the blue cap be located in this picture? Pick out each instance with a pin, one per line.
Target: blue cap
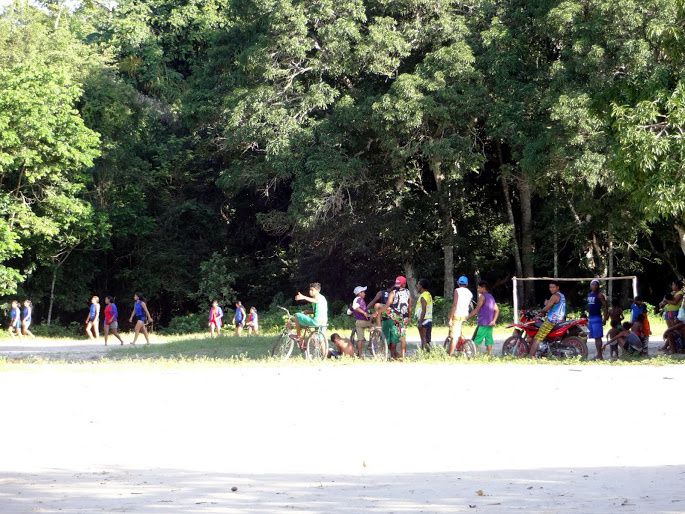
(463, 281)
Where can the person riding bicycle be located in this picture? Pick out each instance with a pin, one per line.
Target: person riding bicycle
(362, 318)
(555, 309)
(320, 311)
(397, 308)
(459, 311)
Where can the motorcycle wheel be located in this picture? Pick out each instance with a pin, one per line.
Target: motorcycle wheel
(578, 344)
(515, 346)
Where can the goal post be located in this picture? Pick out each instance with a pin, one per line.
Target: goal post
(516, 280)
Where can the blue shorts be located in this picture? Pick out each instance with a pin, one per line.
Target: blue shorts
(595, 327)
(16, 323)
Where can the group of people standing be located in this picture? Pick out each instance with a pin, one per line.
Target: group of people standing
(241, 320)
(391, 309)
(111, 320)
(20, 319)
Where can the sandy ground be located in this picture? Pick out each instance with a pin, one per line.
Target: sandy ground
(398, 437)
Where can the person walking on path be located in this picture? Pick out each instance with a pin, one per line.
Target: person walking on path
(239, 318)
(111, 320)
(487, 311)
(216, 315)
(598, 313)
(15, 320)
(93, 319)
(27, 318)
(253, 322)
(142, 316)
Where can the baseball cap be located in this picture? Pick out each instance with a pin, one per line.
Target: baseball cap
(359, 289)
(402, 281)
(463, 281)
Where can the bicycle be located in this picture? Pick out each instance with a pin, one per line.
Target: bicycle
(314, 345)
(465, 347)
(376, 347)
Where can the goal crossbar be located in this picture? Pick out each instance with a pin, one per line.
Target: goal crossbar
(516, 280)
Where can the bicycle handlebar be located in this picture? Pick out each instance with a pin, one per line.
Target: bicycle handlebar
(284, 309)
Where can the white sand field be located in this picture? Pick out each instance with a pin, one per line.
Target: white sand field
(397, 437)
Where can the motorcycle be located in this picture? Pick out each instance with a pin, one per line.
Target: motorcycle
(566, 340)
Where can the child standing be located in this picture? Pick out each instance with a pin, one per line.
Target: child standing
(615, 330)
(361, 317)
(487, 311)
(424, 314)
(216, 315)
(253, 322)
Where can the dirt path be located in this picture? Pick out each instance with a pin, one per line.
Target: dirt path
(388, 438)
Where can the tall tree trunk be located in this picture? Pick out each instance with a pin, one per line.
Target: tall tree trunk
(525, 195)
(411, 278)
(52, 294)
(449, 229)
(681, 236)
(515, 250)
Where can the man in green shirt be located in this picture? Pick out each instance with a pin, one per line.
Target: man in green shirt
(320, 310)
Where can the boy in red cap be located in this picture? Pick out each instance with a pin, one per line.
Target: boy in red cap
(398, 308)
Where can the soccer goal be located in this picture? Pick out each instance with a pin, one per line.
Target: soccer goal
(516, 281)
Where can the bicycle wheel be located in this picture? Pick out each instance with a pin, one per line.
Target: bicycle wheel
(514, 346)
(317, 347)
(283, 347)
(379, 348)
(468, 349)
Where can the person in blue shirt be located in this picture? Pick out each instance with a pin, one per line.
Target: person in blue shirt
(239, 318)
(142, 316)
(93, 319)
(27, 318)
(15, 320)
(597, 315)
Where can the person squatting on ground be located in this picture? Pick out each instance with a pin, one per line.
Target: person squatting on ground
(239, 318)
(619, 336)
(616, 329)
(424, 314)
(555, 309)
(142, 316)
(487, 311)
(598, 313)
(111, 319)
(397, 309)
(461, 305)
(362, 318)
(342, 346)
(216, 315)
(93, 319)
(317, 317)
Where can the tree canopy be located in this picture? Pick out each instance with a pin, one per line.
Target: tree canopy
(241, 148)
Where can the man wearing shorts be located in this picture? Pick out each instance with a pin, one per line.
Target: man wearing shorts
(239, 318)
(397, 308)
(598, 313)
(319, 317)
(459, 311)
(487, 311)
(362, 319)
(555, 309)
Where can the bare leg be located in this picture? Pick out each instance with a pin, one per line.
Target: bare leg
(96, 328)
(115, 333)
(598, 345)
(105, 331)
(89, 327)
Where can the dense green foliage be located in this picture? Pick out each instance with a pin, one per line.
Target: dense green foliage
(242, 148)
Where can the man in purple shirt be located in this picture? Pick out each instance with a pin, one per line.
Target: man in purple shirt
(361, 316)
(487, 311)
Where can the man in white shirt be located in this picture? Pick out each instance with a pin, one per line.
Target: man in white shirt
(459, 311)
